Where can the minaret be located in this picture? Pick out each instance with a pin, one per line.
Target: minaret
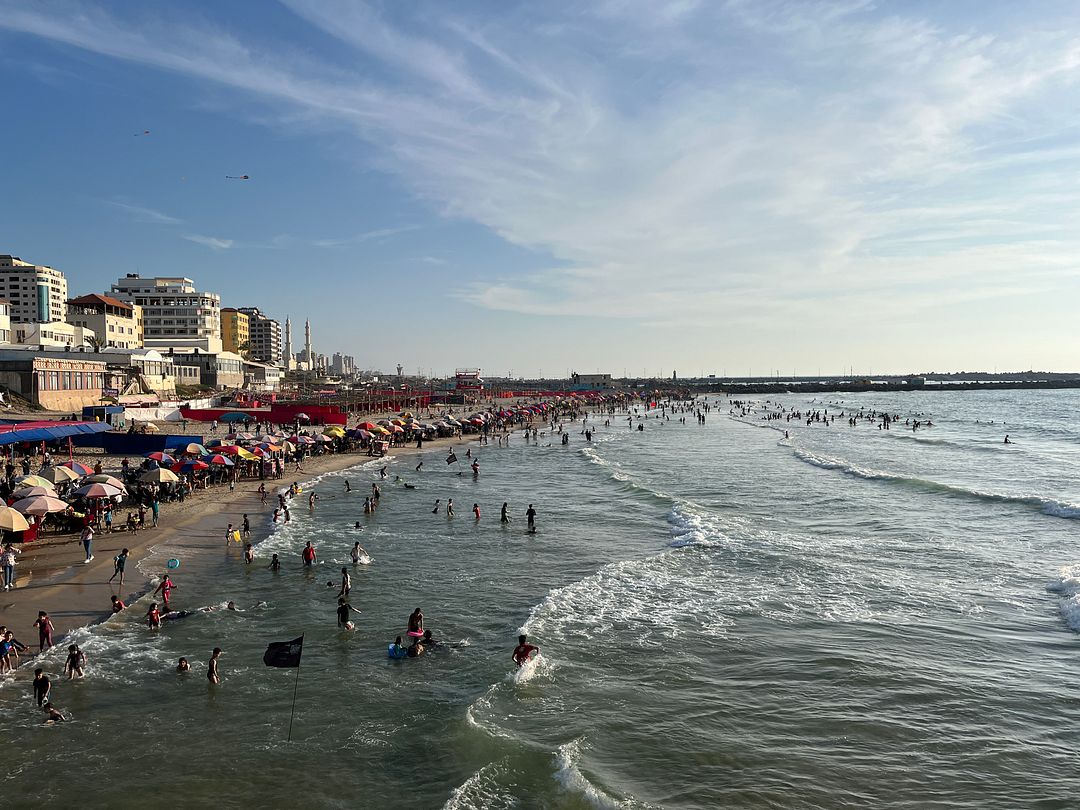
(288, 358)
(307, 346)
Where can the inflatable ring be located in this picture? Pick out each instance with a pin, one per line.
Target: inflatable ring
(173, 563)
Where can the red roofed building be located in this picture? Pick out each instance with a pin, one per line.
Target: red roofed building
(115, 322)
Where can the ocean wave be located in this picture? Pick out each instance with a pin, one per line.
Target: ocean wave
(616, 472)
(482, 790)
(1047, 505)
(1067, 585)
(569, 775)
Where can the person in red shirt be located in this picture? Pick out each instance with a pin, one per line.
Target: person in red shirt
(153, 617)
(165, 588)
(117, 604)
(523, 651)
(309, 554)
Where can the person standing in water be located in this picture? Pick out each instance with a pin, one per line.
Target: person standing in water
(275, 563)
(212, 666)
(308, 554)
(530, 514)
(42, 687)
(435, 511)
(476, 510)
(523, 651)
(505, 517)
(45, 630)
(357, 550)
(450, 507)
(416, 623)
(346, 582)
(343, 611)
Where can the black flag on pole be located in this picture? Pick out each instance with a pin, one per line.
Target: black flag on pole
(450, 459)
(284, 653)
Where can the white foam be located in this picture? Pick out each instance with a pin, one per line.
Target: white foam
(1067, 585)
(569, 775)
(482, 791)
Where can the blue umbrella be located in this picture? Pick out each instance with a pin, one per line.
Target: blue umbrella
(235, 416)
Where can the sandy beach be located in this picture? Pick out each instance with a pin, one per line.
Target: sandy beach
(51, 575)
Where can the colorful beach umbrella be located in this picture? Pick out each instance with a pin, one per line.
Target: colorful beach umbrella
(105, 478)
(60, 475)
(159, 475)
(161, 458)
(12, 520)
(97, 491)
(81, 469)
(220, 460)
(195, 449)
(30, 492)
(34, 481)
(39, 505)
(189, 466)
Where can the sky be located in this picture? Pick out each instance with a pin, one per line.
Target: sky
(623, 186)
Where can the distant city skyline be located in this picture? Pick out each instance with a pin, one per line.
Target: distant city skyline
(730, 187)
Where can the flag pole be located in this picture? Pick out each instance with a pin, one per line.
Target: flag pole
(296, 686)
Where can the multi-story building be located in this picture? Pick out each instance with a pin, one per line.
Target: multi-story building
(343, 365)
(235, 330)
(115, 323)
(175, 314)
(56, 334)
(52, 380)
(264, 335)
(221, 370)
(5, 322)
(36, 293)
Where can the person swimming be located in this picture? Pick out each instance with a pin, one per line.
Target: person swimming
(397, 649)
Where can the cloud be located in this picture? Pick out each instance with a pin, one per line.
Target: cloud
(140, 213)
(729, 162)
(365, 236)
(212, 242)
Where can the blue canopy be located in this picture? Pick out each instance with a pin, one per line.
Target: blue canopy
(48, 431)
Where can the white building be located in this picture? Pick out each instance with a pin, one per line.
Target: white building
(344, 365)
(5, 322)
(175, 314)
(54, 334)
(264, 335)
(36, 293)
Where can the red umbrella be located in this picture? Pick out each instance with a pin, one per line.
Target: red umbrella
(161, 458)
(75, 466)
(191, 465)
(219, 459)
(367, 425)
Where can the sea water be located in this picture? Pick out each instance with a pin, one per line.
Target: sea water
(727, 618)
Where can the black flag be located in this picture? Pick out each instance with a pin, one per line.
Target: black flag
(450, 459)
(284, 653)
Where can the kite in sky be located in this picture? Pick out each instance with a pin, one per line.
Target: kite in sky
(237, 177)
(140, 134)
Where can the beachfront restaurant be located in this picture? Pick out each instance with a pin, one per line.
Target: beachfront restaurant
(56, 383)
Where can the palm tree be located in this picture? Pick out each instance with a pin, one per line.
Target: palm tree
(96, 343)
(244, 349)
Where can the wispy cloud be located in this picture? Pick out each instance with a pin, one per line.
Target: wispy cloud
(139, 213)
(212, 242)
(707, 164)
(365, 236)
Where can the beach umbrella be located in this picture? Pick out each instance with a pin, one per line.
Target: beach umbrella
(81, 469)
(228, 449)
(30, 492)
(39, 505)
(12, 521)
(235, 416)
(105, 478)
(218, 459)
(195, 449)
(60, 475)
(97, 491)
(215, 443)
(161, 458)
(322, 437)
(158, 476)
(397, 429)
(406, 413)
(367, 425)
(245, 437)
(246, 454)
(150, 427)
(288, 447)
(363, 434)
(34, 481)
(384, 422)
(303, 417)
(191, 465)
(335, 430)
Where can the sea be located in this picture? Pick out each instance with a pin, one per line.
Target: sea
(749, 613)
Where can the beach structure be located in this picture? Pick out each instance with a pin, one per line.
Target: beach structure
(5, 322)
(175, 314)
(51, 380)
(36, 293)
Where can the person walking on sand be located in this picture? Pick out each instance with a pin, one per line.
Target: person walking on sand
(45, 629)
(7, 562)
(88, 542)
(212, 666)
(119, 561)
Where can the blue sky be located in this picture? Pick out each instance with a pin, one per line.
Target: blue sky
(633, 186)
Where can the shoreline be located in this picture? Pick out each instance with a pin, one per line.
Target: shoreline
(77, 596)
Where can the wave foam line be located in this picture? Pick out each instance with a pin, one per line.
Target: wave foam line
(1048, 506)
(1067, 585)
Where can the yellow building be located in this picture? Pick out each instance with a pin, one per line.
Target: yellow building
(235, 330)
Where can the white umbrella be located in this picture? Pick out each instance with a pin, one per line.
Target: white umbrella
(39, 505)
(159, 475)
